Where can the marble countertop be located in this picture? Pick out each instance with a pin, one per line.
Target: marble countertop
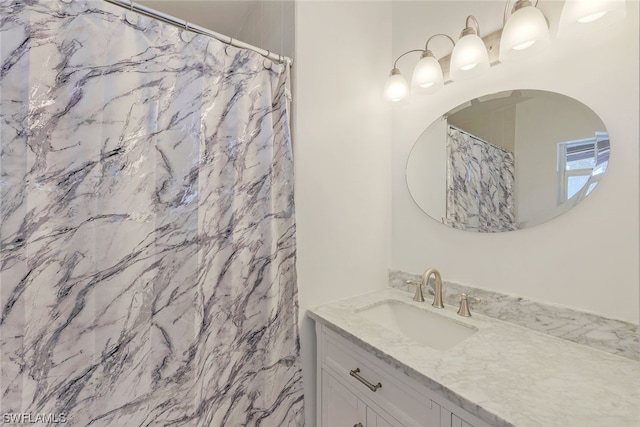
(505, 374)
(610, 335)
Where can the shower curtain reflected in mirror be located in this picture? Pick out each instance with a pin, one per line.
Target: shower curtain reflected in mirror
(147, 230)
(480, 184)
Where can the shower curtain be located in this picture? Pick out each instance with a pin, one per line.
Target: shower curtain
(480, 184)
(147, 224)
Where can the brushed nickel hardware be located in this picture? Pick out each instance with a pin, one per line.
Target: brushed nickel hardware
(464, 305)
(356, 374)
(437, 297)
(418, 295)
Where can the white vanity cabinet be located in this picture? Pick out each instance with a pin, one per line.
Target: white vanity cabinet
(342, 407)
(347, 377)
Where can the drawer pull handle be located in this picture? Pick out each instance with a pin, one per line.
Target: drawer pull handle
(356, 374)
(358, 425)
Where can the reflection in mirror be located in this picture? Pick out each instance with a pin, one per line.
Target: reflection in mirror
(508, 160)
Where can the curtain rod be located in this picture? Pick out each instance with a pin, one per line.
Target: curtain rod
(477, 138)
(152, 13)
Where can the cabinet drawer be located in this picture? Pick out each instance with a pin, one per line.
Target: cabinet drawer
(402, 397)
(341, 407)
(399, 398)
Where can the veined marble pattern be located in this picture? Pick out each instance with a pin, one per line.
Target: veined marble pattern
(147, 224)
(480, 184)
(610, 335)
(504, 374)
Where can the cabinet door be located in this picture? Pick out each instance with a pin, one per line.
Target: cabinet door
(376, 420)
(458, 422)
(449, 419)
(340, 407)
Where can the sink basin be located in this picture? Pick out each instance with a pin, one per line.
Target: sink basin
(428, 328)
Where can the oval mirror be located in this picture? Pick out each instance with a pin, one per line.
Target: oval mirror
(507, 161)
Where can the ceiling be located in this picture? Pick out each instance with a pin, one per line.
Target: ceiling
(222, 16)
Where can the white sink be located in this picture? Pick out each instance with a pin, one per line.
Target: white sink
(428, 328)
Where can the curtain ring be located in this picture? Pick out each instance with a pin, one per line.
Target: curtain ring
(265, 59)
(186, 25)
(131, 5)
(229, 44)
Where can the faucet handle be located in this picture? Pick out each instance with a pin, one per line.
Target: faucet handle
(418, 295)
(464, 304)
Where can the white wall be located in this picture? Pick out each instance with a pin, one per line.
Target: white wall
(342, 152)
(269, 25)
(222, 16)
(585, 259)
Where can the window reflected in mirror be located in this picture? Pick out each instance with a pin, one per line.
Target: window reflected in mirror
(581, 165)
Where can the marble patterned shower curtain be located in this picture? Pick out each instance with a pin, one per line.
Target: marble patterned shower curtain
(480, 184)
(147, 224)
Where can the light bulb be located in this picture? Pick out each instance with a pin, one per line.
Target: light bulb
(427, 75)
(579, 17)
(524, 45)
(396, 88)
(591, 18)
(469, 57)
(525, 33)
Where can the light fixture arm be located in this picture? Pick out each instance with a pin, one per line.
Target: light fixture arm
(468, 29)
(426, 46)
(395, 63)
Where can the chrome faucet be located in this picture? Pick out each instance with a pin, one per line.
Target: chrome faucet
(437, 291)
(437, 298)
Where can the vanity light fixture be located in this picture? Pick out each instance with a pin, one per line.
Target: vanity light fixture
(526, 31)
(427, 76)
(581, 16)
(396, 88)
(469, 57)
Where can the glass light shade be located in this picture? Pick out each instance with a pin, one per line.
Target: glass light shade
(469, 58)
(427, 76)
(580, 17)
(396, 87)
(525, 32)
